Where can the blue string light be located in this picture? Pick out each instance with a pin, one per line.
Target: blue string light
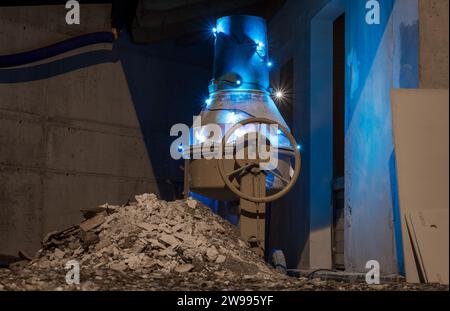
(260, 45)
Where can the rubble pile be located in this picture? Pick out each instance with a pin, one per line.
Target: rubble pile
(153, 238)
(149, 235)
(155, 245)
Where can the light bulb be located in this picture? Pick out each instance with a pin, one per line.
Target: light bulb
(279, 94)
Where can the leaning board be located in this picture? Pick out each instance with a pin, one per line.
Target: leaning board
(421, 136)
(431, 243)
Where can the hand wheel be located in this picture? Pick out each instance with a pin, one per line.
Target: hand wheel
(253, 167)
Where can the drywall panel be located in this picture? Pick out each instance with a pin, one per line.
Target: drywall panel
(421, 135)
(431, 243)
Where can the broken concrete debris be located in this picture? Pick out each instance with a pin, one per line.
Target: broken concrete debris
(212, 253)
(150, 235)
(59, 253)
(93, 222)
(153, 245)
(220, 259)
(191, 203)
(184, 268)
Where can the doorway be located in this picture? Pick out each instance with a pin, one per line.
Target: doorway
(338, 142)
(327, 110)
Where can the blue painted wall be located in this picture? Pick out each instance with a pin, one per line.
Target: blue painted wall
(369, 143)
(379, 58)
(376, 62)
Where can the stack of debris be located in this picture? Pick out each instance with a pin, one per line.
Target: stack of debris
(156, 245)
(149, 235)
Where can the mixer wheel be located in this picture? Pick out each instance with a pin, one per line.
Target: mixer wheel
(254, 166)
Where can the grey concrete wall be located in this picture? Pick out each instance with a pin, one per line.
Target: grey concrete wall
(89, 127)
(434, 44)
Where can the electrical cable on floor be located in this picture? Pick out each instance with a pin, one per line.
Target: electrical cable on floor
(309, 276)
